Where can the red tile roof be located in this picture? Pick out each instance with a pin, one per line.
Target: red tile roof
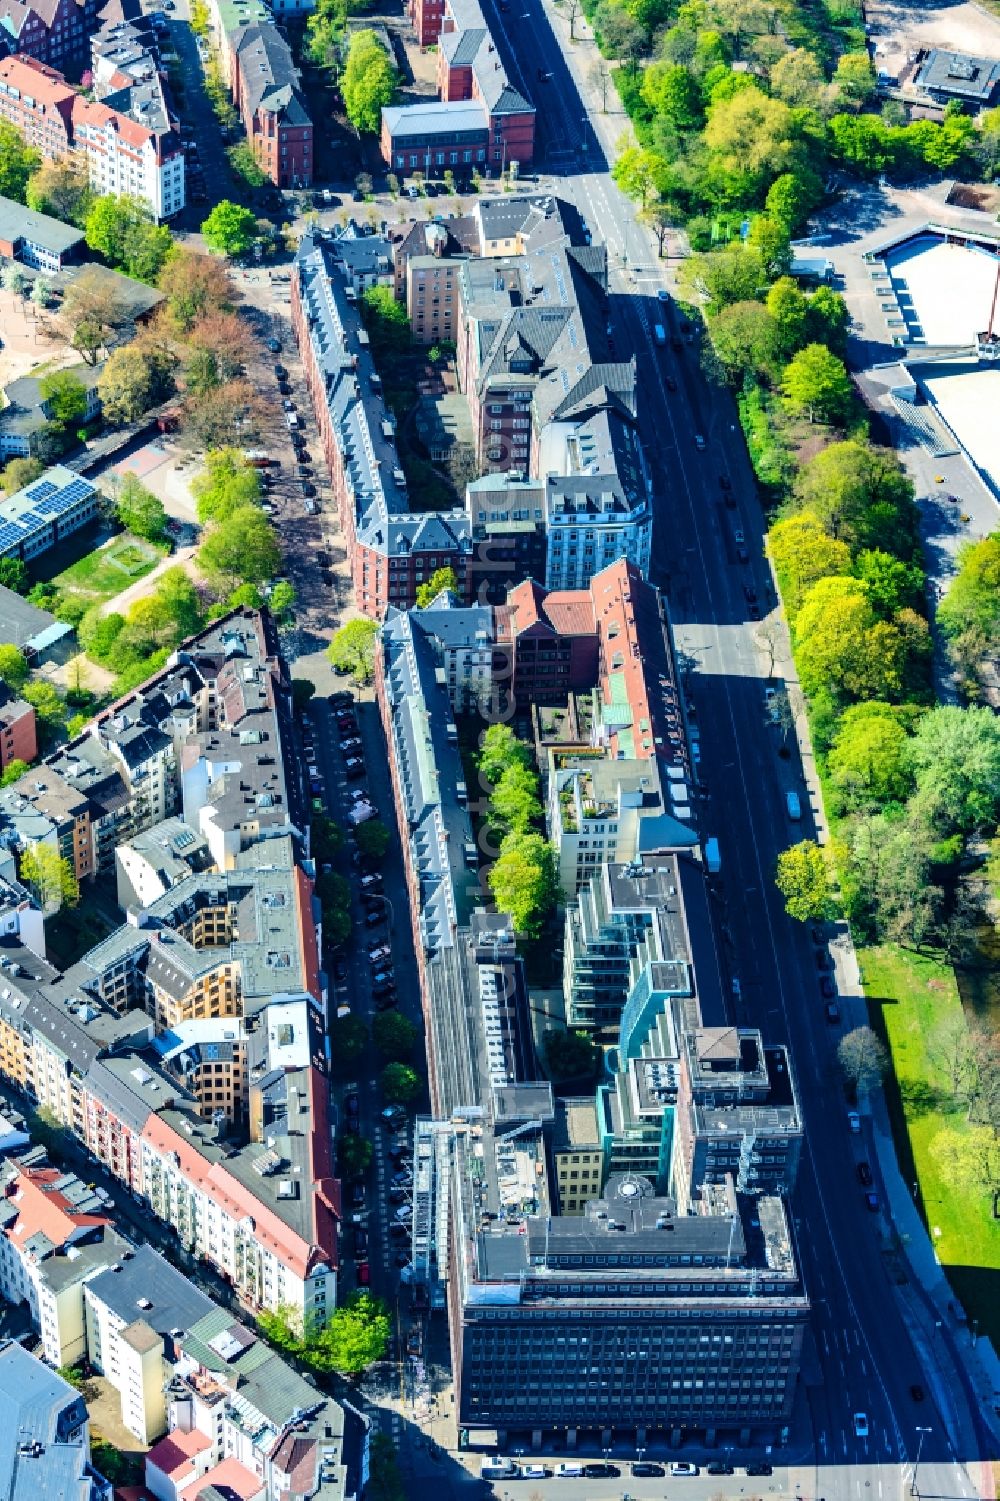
(230, 1478)
(43, 1209)
(174, 1453)
(43, 83)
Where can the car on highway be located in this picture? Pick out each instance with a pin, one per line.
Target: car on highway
(699, 442)
(861, 1425)
(864, 1173)
(671, 383)
(917, 1393)
(854, 1122)
(683, 1467)
(543, 76)
(872, 1201)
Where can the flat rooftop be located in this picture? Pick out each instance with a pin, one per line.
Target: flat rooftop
(968, 399)
(944, 290)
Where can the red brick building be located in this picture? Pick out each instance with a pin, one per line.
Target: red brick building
(267, 92)
(469, 71)
(18, 741)
(54, 31)
(38, 102)
(553, 640)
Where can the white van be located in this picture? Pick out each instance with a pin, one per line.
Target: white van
(495, 1468)
(569, 1471)
(659, 333)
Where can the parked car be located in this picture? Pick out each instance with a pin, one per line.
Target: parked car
(759, 1468)
(342, 699)
(600, 1471)
(647, 1468)
(364, 1274)
(354, 767)
(385, 999)
(827, 989)
(832, 1012)
(274, 346)
(357, 1195)
(352, 1103)
(383, 977)
(682, 1467)
(360, 1240)
(379, 953)
(719, 1467)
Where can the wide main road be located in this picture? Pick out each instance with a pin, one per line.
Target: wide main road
(864, 1354)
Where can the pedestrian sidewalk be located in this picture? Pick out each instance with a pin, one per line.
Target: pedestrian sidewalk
(927, 1304)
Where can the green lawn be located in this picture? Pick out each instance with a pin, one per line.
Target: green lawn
(108, 570)
(909, 996)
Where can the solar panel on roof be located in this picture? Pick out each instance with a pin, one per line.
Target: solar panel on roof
(41, 490)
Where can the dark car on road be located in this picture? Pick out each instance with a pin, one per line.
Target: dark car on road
(274, 345)
(360, 1243)
(864, 1173)
(352, 1104)
(832, 1012)
(827, 988)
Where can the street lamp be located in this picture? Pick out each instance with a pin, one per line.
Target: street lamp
(916, 1463)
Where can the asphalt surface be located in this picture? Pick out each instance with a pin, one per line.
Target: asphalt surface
(863, 1360)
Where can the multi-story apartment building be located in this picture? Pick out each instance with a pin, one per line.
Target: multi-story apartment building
(391, 550)
(135, 1312)
(266, 86)
(54, 31)
(187, 1050)
(242, 1421)
(55, 1233)
(18, 737)
(527, 311)
(210, 735)
(267, 92)
(44, 1436)
(128, 140)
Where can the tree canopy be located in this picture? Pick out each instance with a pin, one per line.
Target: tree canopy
(230, 228)
(352, 649)
(369, 81)
(139, 510)
(804, 878)
(524, 881)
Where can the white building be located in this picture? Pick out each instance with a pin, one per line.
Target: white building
(135, 1311)
(141, 157)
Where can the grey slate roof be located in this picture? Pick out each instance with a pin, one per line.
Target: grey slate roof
(270, 77)
(20, 223)
(38, 1408)
(146, 1278)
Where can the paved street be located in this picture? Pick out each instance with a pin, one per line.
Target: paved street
(863, 1359)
